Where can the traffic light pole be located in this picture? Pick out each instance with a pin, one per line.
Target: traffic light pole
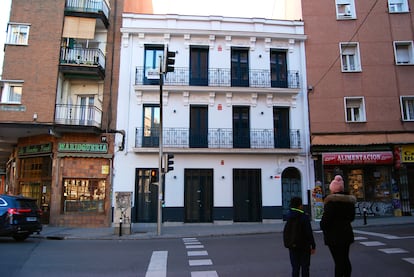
(160, 171)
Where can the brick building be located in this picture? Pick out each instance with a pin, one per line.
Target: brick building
(56, 111)
(359, 57)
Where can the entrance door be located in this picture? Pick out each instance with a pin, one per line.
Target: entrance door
(241, 127)
(247, 201)
(291, 186)
(198, 191)
(146, 200)
(198, 126)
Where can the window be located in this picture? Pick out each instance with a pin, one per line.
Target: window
(84, 195)
(345, 9)
(198, 66)
(278, 69)
(407, 108)
(350, 57)
(152, 63)
(355, 111)
(151, 126)
(17, 34)
(397, 6)
(403, 52)
(11, 93)
(239, 67)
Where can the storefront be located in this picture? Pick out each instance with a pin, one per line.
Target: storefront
(404, 166)
(368, 176)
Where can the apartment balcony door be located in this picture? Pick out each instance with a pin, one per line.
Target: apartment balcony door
(247, 201)
(278, 69)
(198, 193)
(199, 66)
(281, 127)
(151, 134)
(239, 67)
(241, 127)
(86, 110)
(146, 200)
(198, 126)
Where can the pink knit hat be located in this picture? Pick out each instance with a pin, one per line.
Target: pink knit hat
(337, 184)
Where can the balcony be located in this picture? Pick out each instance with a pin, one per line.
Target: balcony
(88, 8)
(221, 77)
(80, 62)
(80, 115)
(218, 138)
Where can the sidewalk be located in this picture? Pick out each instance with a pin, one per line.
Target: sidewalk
(179, 230)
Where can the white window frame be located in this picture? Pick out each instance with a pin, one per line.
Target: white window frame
(407, 108)
(11, 93)
(356, 107)
(18, 34)
(404, 52)
(345, 9)
(350, 57)
(398, 6)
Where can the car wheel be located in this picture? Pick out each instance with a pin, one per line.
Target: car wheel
(20, 237)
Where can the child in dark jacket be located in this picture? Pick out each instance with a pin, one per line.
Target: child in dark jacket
(298, 237)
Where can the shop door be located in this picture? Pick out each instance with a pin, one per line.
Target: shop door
(291, 187)
(247, 201)
(146, 200)
(198, 126)
(198, 195)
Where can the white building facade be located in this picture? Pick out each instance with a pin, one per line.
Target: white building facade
(234, 116)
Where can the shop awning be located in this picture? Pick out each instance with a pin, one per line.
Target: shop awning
(362, 139)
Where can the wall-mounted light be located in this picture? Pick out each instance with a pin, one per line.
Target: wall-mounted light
(271, 177)
(260, 56)
(174, 111)
(262, 113)
(34, 116)
(222, 177)
(175, 177)
(310, 89)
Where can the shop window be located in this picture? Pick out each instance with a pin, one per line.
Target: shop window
(407, 108)
(84, 195)
(355, 109)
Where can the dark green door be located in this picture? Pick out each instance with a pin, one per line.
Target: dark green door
(241, 127)
(281, 127)
(247, 200)
(198, 195)
(291, 186)
(198, 126)
(146, 201)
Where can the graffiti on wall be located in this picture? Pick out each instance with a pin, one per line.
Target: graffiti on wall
(374, 208)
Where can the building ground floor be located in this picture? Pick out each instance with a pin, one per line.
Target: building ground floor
(380, 177)
(210, 187)
(69, 176)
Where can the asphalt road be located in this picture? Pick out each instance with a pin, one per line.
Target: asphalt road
(378, 251)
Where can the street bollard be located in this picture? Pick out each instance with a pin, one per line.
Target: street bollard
(365, 216)
(120, 226)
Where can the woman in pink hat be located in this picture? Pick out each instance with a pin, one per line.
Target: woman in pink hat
(339, 212)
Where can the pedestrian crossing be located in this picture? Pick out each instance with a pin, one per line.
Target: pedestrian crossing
(382, 246)
(198, 258)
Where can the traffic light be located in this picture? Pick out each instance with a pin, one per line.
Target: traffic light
(154, 176)
(168, 162)
(169, 60)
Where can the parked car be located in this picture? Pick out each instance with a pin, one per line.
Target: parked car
(19, 217)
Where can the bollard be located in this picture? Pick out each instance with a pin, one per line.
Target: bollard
(120, 226)
(365, 216)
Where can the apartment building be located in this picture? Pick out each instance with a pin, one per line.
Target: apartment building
(359, 57)
(56, 113)
(234, 115)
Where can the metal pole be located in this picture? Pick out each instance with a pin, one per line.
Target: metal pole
(160, 173)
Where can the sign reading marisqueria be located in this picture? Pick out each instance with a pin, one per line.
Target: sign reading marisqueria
(83, 147)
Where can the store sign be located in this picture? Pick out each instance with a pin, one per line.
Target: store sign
(350, 158)
(83, 147)
(35, 149)
(407, 154)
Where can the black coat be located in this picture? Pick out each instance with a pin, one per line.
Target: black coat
(306, 233)
(339, 212)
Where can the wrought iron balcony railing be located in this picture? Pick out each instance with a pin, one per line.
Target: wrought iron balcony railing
(218, 138)
(78, 115)
(220, 77)
(90, 6)
(82, 56)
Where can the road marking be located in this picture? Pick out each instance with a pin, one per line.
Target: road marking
(200, 262)
(385, 236)
(393, 250)
(372, 243)
(197, 253)
(194, 246)
(204, 274)
(410, 260)
(158, 264)
(360, 238)
(192, 243)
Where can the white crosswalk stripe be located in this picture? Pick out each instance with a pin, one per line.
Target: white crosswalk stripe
(193, 243)
(372, 243)
(158, 264)
(393, 250)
